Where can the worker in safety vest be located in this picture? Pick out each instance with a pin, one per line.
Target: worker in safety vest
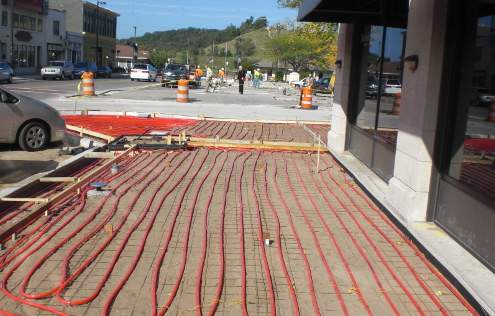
(199, 73)
(221, 74)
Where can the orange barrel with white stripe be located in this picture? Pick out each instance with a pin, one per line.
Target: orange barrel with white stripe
(307, 98)
(88, 84)
(183, 91)
(396, 106)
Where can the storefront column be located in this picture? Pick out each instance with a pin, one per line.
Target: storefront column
(409, 189)
(339, 122)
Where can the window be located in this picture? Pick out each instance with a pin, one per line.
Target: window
(39, 27)
(381, 82)
(472, 154)
(24, 56)
(5, 18)
(55, 52)
(56, 28)
(24, 22)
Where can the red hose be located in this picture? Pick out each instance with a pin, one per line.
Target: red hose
(109, 301)
(378, 253)
(302, 253)
(278, 237)
(314, 236)
(221, 246)
(68, 279)
(164, 249)
(185, 242)
(71, 235)
(432, 269)
(261, 242)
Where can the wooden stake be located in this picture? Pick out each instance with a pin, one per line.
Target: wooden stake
(318, 156)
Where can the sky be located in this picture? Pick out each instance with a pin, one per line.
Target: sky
(161, 15)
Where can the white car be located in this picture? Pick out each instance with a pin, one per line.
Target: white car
(144, 72)
(300, 83)
(58, 69)
(391, 87)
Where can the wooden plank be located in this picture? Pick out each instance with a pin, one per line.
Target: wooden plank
(100, 155)
(84, 131)
(61, 196)
(257, 146)
(59, 179)
(33, 200)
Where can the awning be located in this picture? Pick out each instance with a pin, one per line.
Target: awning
(375, 12)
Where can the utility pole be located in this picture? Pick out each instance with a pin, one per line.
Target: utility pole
(97, 50)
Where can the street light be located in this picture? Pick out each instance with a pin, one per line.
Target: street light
(98, 4)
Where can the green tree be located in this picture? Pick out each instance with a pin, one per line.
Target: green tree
(290, 3)
(244, 47)
(295, 50)
(158, 57)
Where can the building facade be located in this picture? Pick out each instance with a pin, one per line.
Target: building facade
(414, 109)
(92, 31)
(124, 57)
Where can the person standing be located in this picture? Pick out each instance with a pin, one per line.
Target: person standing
(209, 79)
(241, 76)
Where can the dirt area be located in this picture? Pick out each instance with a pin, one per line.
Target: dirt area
(225, 232)
(17, 165)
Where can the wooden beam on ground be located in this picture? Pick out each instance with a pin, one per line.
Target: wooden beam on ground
(246, 144)
(59, 179)
(30, 217)
(84, 131)
(33, 200)
(100, 155)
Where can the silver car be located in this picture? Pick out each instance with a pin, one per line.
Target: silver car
(6, 72)
(58, 69)
(30, 123)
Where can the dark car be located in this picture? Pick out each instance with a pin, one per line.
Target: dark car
(104, 72)
(172, 73)
(322, 85)
(82, 67)
(372, 87)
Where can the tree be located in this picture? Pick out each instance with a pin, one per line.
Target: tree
(294, 4)
(244, 47)
(261, 22)
(158, 57)
(295, 50)
(325, 34)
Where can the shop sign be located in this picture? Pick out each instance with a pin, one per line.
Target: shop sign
(23, 36)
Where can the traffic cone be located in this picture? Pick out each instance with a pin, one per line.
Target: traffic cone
(396, 107)
(491, 113)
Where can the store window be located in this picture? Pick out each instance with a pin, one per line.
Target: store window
(55, 52)
(24, 22)
(24, 56)
(472, 161)
(381, 82)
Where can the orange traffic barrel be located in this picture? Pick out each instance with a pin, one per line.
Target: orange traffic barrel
(396, 106)
(183, 91)
(88, 84)
(491, 113)
(307, 98)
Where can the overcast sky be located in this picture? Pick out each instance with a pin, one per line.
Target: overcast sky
(160, 15)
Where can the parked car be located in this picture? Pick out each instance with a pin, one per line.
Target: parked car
(6, 72)
(172, 73)
(84, 66)
(143, 72)
(30, 123)
(104, 72)
(58, 70)
(372, 87)
(322, 85)
(392, 86)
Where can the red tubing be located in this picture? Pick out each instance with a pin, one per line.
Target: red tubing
(380, 255)
(6, 313)
(199, 273)
(185, 241)
(158, 263)
(221, 247)
(345, 263)
(283, 264)
(70, 236)
(418, 253)
(139, 252)
(315, 239)
(307, 267)
(68, 279)
(261, 242)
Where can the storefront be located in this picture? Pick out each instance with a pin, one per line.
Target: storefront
(415, 103)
